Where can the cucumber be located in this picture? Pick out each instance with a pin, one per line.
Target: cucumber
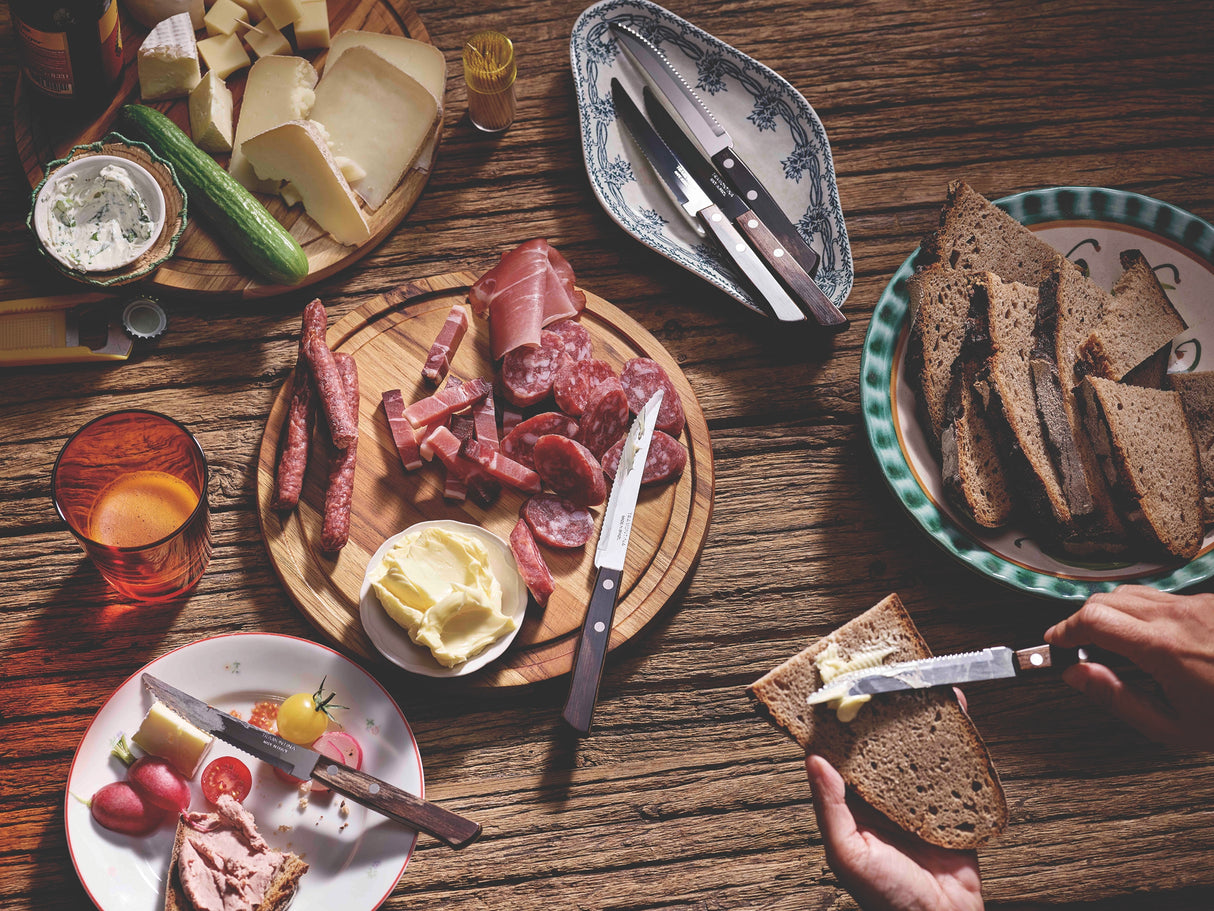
(250, 230)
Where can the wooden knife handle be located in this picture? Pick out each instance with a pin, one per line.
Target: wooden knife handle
(592, 651)
(1048, 657)
(400, 805)
(776, 255)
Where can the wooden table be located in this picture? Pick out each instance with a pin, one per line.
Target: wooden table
(683, 797)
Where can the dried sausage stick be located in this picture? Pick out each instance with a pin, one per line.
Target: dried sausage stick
(343, 423)
(340, 493)
(295, 438)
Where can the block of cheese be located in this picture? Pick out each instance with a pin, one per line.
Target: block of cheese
(253, 10)
(223, 17)
(223, 54)
(211, 114)
(424, 62)
(168, 59)
(299, 152)
(281, 12)
(266, 41)
(166, 734)
(277, 89)
(376, 115)
(312, 27)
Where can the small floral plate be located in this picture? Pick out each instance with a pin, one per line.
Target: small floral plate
(1091, 226)
(772, 126)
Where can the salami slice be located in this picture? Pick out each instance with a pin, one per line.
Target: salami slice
(666, 460)
(570, 470)
(519, 443)
(605, 419)
(575, 339)
(576, 383)
(531, 565)
(527, 373)
(641, 379)
(558, 522)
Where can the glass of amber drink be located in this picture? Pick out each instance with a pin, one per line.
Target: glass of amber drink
(132, 488)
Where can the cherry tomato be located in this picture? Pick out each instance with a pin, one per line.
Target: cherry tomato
(226, 775)
(305, 716)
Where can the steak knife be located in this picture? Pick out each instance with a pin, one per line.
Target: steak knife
(693, 200)
(997, 663)
(302, 762)
(609, 558)
(766, 244)
(714, 139)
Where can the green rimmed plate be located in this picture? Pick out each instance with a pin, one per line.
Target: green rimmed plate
(1092, 226)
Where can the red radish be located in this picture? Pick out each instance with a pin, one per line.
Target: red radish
(120, 808)
(159, 783)
(340, 746)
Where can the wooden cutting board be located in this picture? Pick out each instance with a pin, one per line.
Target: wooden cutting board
(389, 337)
(205, 264)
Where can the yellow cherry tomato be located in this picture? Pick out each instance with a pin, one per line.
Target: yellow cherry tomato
(303, 717)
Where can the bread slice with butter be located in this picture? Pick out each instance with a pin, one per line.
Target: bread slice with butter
(914, 756)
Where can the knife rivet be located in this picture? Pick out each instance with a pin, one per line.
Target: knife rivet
(777, 253)
(716, 217)
(1036, 659)
(372, 788)
(608, 584)
(753, 223)
(727, 163)
(740, 247)
(752, 195)
(599, 626)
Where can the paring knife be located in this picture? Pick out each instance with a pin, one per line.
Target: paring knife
(695, 202)
(609, 559)
(714, 139)
(302, 762)
(997, 663)
(766, 244)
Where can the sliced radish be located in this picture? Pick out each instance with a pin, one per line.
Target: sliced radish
(340, 746)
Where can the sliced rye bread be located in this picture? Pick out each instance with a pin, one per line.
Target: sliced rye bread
(939, 300)
(1196, 392)
(1143, 442)
(277, 898)
(975, 480)
(976, 235)
(1138, 323)
(916, 756)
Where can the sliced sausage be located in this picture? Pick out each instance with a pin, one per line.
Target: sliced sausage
(666, 460)
(520, 442)
(575, 339)
(558, 522)
(570, 469)
(527, 373)
(576, 383)
(605, 419)
(643, 377)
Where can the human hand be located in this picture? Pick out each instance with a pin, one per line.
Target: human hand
(1170, 637)
(884, 868)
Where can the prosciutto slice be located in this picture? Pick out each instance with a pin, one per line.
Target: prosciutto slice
(530, 287)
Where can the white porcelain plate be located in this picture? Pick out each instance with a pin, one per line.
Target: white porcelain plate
(773, 128)
(355, 859)
(394, 642)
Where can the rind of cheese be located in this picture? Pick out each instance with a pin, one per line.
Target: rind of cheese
(277, 90)
(312, 27)
(424, 62)
(224, 54)
(266, 41)
(223, 17)
(281, 12)
(299, 152)
(166, 734)
(377, 116)
(167, 61)
(211, 114)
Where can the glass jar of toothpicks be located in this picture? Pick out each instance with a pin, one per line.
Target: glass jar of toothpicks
(489, 72)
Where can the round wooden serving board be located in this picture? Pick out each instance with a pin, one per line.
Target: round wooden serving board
(205, 264)
(389, 337)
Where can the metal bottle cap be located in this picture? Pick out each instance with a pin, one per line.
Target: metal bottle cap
(144, 318)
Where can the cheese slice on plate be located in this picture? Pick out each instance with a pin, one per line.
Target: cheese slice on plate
(424, 62)
(211, 114)
(375, 115)
(168, 59)
(277, 90)
(299, 152)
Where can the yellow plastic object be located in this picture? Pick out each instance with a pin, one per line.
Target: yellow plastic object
(70, 328)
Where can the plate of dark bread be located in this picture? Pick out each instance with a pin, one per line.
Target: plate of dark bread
(1034, 389)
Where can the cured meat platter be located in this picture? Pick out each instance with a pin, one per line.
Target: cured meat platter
(204, 265)
(389, 337)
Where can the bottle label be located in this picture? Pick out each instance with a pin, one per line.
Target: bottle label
(45, 59)
(110, 33)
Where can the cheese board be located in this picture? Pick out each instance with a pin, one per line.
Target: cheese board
(204, 263)
(389, 336)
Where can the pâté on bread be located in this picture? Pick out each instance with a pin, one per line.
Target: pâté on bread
(914, 756)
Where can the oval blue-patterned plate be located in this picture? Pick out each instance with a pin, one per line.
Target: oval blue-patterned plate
(772, 126)
(1091, 226)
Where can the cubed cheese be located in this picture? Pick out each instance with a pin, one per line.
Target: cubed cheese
(266, 41)
(312, 26)
(424, 62)
(278, 89)
(166, 734)
(224, 54)
(299, 152)
(281, 12)
(168, 60)
(211, 114)
(253, 10)
(375, 115)
(224, 17)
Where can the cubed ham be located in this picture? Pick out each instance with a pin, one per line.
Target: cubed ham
(402, 430)
(446, 401)
(443, 350)
(501, 468)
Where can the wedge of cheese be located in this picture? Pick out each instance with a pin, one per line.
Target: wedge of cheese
(299, 152)
(375, 115)
(277, 90)
(424, 62)
(211, 114)
(168, 59)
